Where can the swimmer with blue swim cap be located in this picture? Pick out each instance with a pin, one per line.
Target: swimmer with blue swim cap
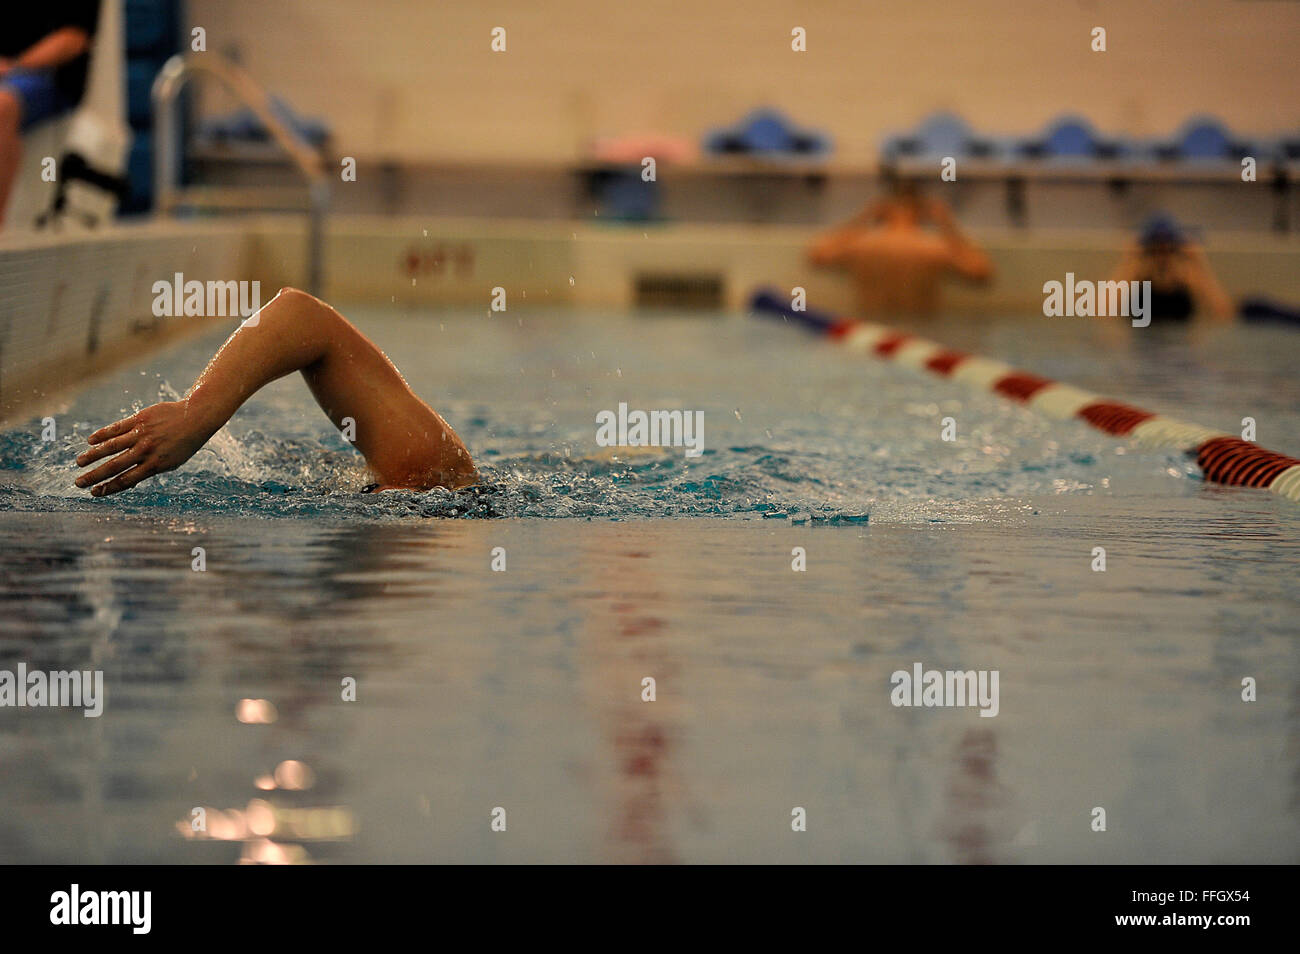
(406, 443)
(1182, 282)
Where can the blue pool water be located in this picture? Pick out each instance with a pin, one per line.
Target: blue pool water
(522, 689)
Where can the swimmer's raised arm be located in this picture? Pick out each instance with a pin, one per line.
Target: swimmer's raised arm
(830, 248)
(1130, 265)
(404, 441)
(1205, 285)
(967, 259)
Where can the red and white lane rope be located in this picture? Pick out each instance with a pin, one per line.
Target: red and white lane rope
(1223, 458)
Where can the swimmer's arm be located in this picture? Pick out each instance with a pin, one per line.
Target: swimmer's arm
(938, 214)
(872, 214)
(829, 249)
(970, 261)
(404, 440)
(1129, 268)
(965, 257)
(1206, 287)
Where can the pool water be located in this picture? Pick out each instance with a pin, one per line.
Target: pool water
(523, 689)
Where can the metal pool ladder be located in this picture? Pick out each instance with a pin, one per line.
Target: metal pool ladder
(170, 195)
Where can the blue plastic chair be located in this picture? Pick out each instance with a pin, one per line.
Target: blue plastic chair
(1205, 138)
(1071, 139)
(942, 134)
(766, 132)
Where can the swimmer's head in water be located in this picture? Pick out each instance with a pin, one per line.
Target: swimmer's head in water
(899, 186)
(906, 190)
(1161, 234)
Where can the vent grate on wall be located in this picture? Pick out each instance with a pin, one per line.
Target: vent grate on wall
(677, 290)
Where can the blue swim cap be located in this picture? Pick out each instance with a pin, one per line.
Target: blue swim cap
(1162, 229)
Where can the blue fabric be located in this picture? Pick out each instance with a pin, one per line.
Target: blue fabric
(41, 97)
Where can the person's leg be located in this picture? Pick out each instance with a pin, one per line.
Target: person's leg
(405, 441)
(11, 143)
(27, 97)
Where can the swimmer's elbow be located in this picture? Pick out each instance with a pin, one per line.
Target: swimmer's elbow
(293, 296)
(825, 252)
(978, 270)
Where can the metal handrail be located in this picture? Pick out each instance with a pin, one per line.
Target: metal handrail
(168, 192)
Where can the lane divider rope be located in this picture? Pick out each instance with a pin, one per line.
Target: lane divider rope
(1222, 458)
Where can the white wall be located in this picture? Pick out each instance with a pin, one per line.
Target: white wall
(416, 79)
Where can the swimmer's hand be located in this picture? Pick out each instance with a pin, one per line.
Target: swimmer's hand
(152, 441)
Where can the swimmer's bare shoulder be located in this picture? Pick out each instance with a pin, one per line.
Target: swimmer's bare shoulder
(406, 443)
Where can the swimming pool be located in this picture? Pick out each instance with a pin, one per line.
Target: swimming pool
(523, 689)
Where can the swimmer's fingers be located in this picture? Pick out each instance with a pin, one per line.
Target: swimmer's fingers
(126, 480)
(108, 469)
(113, 430)
(104, 449)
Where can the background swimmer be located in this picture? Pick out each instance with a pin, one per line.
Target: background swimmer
(898, 249)
(406, 443)
(1182, 281)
